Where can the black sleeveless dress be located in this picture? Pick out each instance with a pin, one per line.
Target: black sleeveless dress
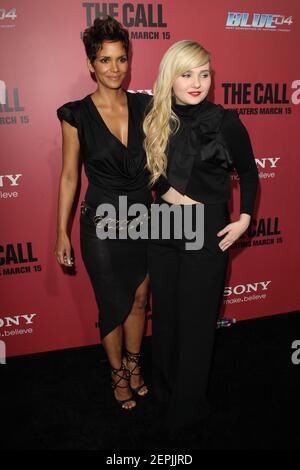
(116, 267)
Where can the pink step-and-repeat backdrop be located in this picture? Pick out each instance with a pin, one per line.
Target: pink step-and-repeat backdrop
(254, 47)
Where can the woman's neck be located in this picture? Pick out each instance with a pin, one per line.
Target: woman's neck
(108, 97)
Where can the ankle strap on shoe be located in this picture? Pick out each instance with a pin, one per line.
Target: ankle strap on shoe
(125, 375)
(132, 357)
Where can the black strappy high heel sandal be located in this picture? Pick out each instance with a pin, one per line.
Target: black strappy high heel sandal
(135, 358)
(123, 374)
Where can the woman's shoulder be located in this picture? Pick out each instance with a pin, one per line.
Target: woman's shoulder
(73, 105)
(228, 113)
(70, 111)
(233, 129)
(231, 119)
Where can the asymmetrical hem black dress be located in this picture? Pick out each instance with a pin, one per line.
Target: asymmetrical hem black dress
(116, 267)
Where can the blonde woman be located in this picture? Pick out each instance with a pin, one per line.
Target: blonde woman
(191, 145)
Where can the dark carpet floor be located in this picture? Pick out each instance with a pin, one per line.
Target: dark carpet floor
(62, 399)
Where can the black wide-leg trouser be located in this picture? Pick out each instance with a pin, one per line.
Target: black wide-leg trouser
(187, 289)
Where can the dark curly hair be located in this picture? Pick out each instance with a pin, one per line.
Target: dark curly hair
(108, 29)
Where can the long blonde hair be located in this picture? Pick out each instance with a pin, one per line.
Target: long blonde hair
(161, 121)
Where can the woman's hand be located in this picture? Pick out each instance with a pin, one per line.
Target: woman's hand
(233, 231)
(63, 250)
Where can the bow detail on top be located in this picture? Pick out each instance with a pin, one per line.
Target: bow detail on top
(198, 140)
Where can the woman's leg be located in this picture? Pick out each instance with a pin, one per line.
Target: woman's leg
(201, 285)
(200, 291)
(163, 270)
(134, 328)
(97, 259)
(112, 344)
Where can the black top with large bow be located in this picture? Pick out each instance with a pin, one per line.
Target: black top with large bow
(210, 142)
(197, 140)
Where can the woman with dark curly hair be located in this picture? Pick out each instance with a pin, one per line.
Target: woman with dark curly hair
(104, 131)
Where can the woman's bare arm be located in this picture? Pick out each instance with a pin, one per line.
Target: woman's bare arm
(67, 190)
